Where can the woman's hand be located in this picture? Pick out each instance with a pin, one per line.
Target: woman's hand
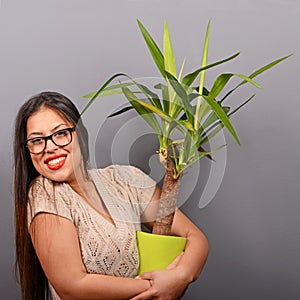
(168, 284)
(171, 284)
(165, 285)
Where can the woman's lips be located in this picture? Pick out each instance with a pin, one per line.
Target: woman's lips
(55, 162)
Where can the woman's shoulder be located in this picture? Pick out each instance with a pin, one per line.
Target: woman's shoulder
(42, 186)
(119, 169)
(40, 183)
(127, 174)
(48, 196)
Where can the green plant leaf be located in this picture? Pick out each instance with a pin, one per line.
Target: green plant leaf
(169, 60)
(174, 156)
(186, 124)
(200, 149)
(266, 67)
(204, 57)
(222, 116)
(210, 133)
(205, 91)
(100, 90)
(170, 67)
(218, 86)
(157, 111)
(243, 104)
(110, 90)
(213, 117)
(248, 79)
(153, 48)
(200, 108)
(159, 86)
(195, 159)
(192, 96)
(143, 111)
(180, 114)
(151, 96)
(181, 70)
(222, 80)
(137, 103)
(256, 73)
(180, 91)
(121, 111)
(165, 98)
(187, 145)
(190, 78)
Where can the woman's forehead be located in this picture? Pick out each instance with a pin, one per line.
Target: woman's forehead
(45, 120)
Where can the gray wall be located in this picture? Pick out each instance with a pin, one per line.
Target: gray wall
(73, 46)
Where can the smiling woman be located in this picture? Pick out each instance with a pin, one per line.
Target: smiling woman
(50, 153)
(75, 226)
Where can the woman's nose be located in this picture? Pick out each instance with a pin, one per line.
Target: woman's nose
(50, 145)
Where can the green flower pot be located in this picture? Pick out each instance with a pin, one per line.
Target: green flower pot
(156, 252)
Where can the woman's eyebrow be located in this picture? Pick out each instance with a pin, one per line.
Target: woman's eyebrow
(52, 130)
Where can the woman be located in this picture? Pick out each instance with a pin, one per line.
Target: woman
(75, 228)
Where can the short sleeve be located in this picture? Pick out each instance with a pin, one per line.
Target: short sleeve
(49, 197)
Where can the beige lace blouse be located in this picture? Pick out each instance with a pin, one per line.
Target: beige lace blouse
(106, 248)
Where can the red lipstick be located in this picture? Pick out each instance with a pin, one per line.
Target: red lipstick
(55, 162)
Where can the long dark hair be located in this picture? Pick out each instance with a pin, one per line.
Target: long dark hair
(33, 281)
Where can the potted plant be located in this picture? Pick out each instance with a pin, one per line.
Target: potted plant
(176, 104)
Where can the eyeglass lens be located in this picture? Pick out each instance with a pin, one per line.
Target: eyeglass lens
(60, 138)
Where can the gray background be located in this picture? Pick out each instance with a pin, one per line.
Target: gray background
(73, 46)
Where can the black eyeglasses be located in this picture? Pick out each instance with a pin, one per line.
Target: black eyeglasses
(60, 138)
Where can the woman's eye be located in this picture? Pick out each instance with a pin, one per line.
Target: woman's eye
(37, 141)
(61, 133)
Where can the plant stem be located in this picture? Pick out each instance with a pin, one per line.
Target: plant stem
(167, 203)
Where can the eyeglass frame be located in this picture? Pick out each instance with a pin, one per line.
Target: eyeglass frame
(50, 137)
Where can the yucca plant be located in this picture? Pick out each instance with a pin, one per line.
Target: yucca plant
(177, 105)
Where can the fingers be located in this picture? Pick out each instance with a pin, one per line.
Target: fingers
(175, 262)
(146, 275)
(144, 296)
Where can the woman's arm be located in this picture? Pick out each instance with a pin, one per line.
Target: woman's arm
(57, 246)
(196, 250)
(172, 282)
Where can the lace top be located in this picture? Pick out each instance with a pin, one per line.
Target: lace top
(106, 248)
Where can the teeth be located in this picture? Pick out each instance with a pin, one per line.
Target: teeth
(56, 160)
